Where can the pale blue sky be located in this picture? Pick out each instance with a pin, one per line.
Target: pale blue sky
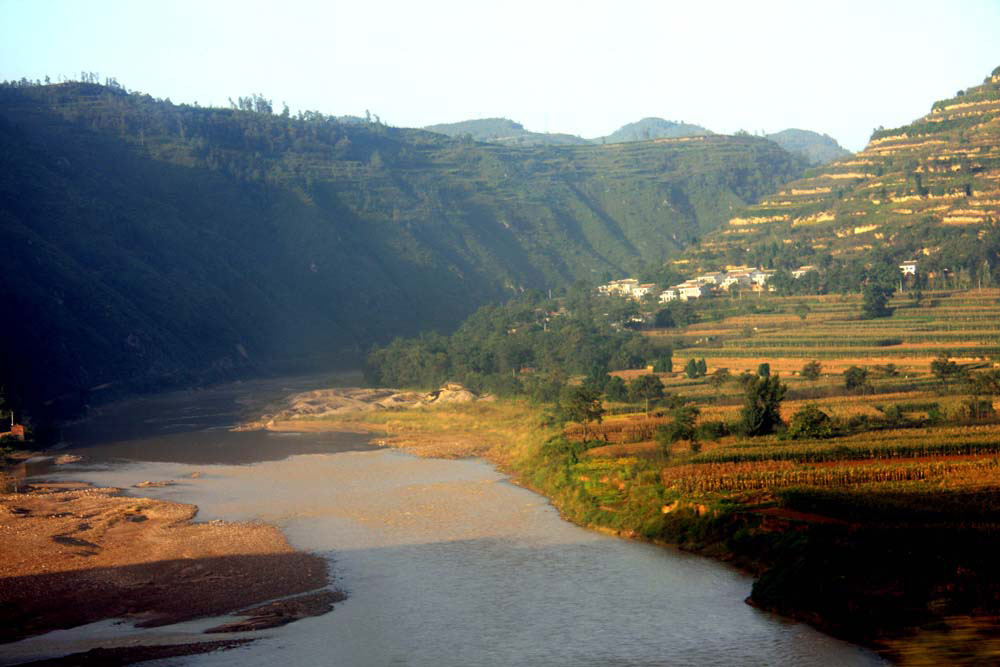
(581, 67)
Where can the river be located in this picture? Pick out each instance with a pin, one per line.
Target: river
(445, 562)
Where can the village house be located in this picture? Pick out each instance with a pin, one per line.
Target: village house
(803, 270)
(691, 290)
(622, 287)
(741, 278)
(711, 278)
(668, 295)
(642, 290)
(759, 277)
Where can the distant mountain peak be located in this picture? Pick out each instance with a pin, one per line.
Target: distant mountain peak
(503, 131)
(653, 128)
(815, 147)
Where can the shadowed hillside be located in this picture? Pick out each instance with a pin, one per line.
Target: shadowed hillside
(148, 243)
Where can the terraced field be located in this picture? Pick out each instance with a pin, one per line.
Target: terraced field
(905, 428)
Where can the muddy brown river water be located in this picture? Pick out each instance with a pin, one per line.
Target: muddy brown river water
(446, 562)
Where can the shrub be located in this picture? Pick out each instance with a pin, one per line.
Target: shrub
(810, 422)
(719, 377)
(856, 379)
(712, 430)
(664, 319)
(811, 370)
(944, 368)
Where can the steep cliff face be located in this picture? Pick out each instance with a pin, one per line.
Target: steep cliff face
(912, 189)
(150, 243)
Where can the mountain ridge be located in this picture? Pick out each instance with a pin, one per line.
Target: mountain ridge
(928, 190)
(157, 244)
(816, 148)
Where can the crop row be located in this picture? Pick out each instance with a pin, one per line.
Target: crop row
(815, 453)
(841, 352)
(771, 478)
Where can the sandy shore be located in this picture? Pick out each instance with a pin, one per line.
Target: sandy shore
(73, 554)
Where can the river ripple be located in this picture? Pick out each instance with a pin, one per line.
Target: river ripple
(446, 562)
(449, 564)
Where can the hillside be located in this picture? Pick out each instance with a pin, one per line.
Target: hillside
(504, 131)
(929, 190)
(150, 244)
(653, 128)
(815, 147)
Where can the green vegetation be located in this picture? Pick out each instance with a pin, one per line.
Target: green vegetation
(160, 244)
(816, 148)
(812, 370)
(761, 412)
(517, 347)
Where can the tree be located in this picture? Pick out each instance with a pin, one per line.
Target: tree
(764, 370)
(646, 388)
(664, 364)
(615, 389)
(584, 406)
(691, 368)
(811, 370)
(702, 367)
(856, 379)
(945, 369)
(664, 319)
(810, 422)
(683, 425)
(761, 412)
(876, 299)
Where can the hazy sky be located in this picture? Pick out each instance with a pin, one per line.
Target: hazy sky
(560, 66)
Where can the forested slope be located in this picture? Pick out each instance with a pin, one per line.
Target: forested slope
(147, 243)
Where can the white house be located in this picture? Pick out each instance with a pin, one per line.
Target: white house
(622, 287)
(640, 291)
(759, 277)
(803, 270)
(668, 295)
(711, 278)
(691, 290)
(741, 278)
